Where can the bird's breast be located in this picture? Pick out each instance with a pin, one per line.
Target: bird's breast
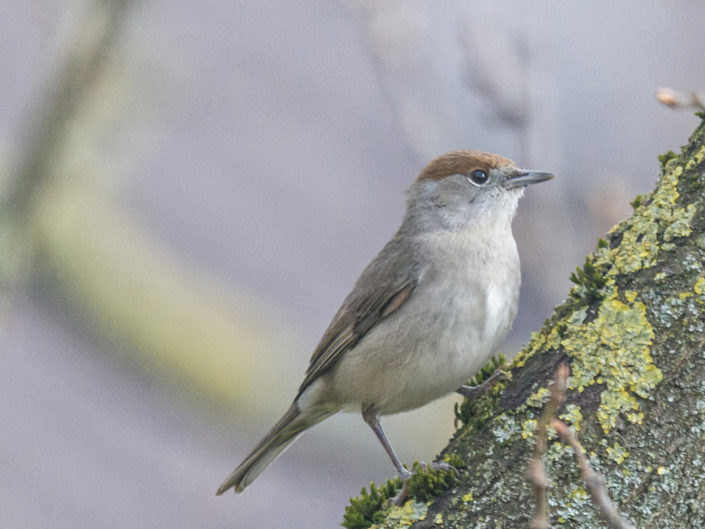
(460, 311)
(470, 292)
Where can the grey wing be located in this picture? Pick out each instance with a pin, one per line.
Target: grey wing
(361, 313)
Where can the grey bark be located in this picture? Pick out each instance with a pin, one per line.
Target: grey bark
(633, 333)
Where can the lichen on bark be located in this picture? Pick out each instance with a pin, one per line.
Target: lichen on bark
(633, 332)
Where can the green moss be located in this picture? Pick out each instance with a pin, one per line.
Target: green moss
(427, 483)
(589, 283)
(478, 410)
(367, 509)
(667, 157)
(637, 201)
(495, 363)
(371, 509)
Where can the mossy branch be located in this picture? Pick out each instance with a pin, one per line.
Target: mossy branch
(632, 331)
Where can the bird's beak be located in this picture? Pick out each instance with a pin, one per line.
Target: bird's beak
(524, 178)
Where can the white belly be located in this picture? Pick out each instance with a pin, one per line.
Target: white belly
(442, 336)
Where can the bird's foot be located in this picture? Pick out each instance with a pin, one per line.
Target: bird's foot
(475, 392)
(403, 493)
(405, 474)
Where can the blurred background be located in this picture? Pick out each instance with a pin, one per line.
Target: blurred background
(189, 190)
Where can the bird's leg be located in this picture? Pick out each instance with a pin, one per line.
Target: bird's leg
(371, 418)
(369, 414)
(475, 392)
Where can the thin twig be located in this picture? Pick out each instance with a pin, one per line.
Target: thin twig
(537, 471)
(594, 481)
(673, 99)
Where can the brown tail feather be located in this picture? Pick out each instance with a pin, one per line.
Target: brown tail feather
(282, 434)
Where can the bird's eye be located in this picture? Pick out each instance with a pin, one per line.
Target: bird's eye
(478, 177)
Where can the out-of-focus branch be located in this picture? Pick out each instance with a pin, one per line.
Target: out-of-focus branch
(95, 36)
(594, 481)
(120, 282)
(537, 471)
(495, 66)
(673, 99)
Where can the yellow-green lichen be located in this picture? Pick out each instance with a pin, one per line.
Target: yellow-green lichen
(539, 398)
(579, 493)
(528, 428)
(504, 427)
(617, 453)
(657, 214)
(404, 516)
(572, 510)
(680, 225)
(467, 498)
(636, 418)
(540, 341)
(699, 287)
(630, 295)
(557, 451)
(613, 350)
(637, 250)
(696, 159)
(572, 417)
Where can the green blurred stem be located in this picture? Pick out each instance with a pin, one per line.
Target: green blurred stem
(125, 286)
(95, 37)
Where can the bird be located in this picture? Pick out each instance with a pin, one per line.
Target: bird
(425, 315)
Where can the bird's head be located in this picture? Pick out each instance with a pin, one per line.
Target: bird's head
(465, 187)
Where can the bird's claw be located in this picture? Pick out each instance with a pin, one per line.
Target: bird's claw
(401, 496)
(474, 392)
(442, 465)
(403, 493)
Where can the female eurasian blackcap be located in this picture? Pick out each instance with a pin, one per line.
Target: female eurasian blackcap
(425, 315)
